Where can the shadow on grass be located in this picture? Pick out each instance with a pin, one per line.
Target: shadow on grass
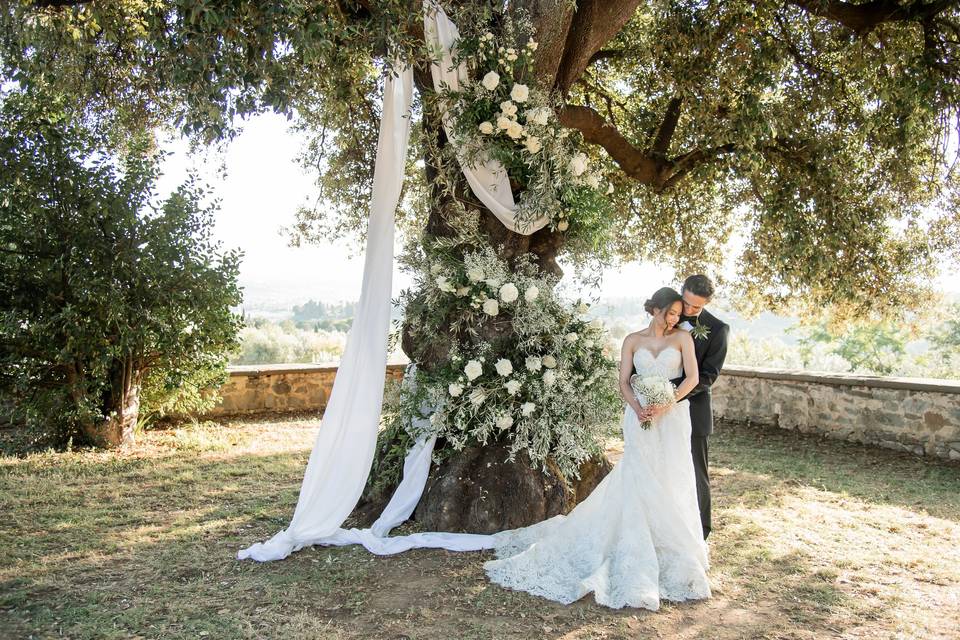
(869, 473)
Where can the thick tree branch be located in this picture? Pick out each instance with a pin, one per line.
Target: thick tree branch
(645, 166)
(867, 15)
(594, 24)
(607, 54)
(551, 21)
(635, 162)
(665, 133)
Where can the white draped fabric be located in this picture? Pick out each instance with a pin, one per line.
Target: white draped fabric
(488, 181)
(343, 450)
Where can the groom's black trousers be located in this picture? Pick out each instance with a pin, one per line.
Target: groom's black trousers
(698, 447)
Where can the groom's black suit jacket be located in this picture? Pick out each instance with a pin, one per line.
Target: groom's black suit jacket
(711, 352)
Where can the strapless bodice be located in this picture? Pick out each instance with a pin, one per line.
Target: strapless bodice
(667, 363)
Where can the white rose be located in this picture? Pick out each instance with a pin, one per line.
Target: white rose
(455, 389)
(511, 57)
(509, 292)
(549, 377)
(486, 128)
(593, 180)
(473, 370)
(508, 109)
(597, 324)
(491, 307)
(474, 274)
(532, 44)
(588, 344)
(504, 422)
(512, 387)
(533, 144)
(582, 308)
(534, 363)
(462, 292)
(549, 362)
(435, 268)
(578, 164)
(572, 337)
(490, 81)
(444, 285)
(504, 367)
(515, 130)
(488, 36)
(527, 408)
(531, 294)
(563, 225)
(540, 116)
(503, 122)
(477, 397)
(520, 93)
(609, 189)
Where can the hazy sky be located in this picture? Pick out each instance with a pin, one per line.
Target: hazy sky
(261, 191)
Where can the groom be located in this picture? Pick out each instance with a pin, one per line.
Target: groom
(710, 343)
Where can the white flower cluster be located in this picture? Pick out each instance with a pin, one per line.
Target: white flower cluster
(500, 115)
(486, 285)
(549, 388)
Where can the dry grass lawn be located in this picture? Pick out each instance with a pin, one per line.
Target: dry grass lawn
(813, 539)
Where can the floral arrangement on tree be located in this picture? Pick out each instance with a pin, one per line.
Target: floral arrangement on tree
(547, 385)
(501, 115)
(508, 360)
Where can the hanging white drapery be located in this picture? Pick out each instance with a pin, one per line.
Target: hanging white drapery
(488, 181)
(343, 450)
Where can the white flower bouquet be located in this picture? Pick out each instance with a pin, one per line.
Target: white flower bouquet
(652, 390)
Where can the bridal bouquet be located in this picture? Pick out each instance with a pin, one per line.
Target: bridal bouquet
(652, 390)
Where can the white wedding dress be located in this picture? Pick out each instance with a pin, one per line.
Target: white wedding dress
(637, 539)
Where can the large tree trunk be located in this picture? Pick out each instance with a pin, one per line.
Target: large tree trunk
(478, 489)
(121, 408)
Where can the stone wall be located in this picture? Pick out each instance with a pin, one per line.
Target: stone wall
(280, 388)
(908, 414)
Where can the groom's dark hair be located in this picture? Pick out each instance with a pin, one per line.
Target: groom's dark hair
(699, 285)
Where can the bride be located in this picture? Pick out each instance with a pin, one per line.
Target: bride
(637, 539)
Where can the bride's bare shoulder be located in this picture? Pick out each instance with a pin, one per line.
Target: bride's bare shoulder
(681, 338)
(632, 338)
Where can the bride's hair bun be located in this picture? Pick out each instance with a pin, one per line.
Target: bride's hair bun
(662, 299)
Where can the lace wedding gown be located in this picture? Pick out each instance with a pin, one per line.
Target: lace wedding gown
(637, 539)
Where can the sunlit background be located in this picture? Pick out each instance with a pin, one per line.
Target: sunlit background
(260, 185)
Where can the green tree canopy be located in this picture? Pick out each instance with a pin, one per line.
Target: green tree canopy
(106, 291)
(821, 132)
